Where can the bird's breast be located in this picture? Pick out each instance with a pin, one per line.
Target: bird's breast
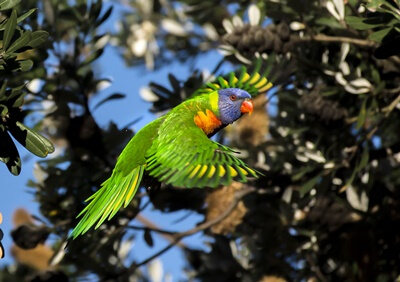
(208, 121)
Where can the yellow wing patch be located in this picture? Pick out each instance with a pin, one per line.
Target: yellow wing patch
(255, 78)
(245, 78)
(232, 171)
(266, 87)
(222, 171)
(202, 171)
(196, 169)
(261, 83)
(212, 171)
(243, 171)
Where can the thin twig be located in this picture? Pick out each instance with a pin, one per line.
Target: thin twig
(144, 228)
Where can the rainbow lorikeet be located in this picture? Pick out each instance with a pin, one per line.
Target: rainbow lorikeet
(176, 149)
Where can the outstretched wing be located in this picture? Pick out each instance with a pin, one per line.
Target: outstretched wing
(187, 158)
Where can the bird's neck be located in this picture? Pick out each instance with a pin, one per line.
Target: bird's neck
(207, 121)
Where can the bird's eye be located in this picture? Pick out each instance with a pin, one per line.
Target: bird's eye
(233, 97)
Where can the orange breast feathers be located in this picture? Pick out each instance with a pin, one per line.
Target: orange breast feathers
(207, 122)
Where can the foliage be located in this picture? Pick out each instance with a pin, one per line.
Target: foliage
(324, 210)
(16, 56)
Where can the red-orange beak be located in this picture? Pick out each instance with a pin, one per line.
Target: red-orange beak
(247, 107)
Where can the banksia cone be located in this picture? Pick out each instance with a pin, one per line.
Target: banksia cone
(26, 234)
(249, 39)
(218, 200)
(317, 105)
(37, 257)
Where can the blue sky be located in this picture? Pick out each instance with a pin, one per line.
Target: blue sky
(13, 190)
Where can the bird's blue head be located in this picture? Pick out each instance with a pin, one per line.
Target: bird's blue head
(232, 104)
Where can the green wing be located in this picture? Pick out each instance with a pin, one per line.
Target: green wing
(119, 189)
(188, 158)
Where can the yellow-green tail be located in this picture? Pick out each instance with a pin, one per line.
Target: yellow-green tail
(116, 191)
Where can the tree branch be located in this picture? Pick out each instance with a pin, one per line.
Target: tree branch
(339, 39)
(205, 225)
(148, 225)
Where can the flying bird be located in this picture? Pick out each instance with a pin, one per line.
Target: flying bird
(176, 149)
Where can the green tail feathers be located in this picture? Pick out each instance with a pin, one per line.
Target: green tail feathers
(115, 192)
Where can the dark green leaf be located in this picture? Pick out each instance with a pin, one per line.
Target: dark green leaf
(328, 21)
(19, 19)
(148, 238)
(67, 15)
(364, 158)
(31, 140)
(8, 4)
(174, 83)
(15, 92)
(77, 14)
(3, 110)
(297, 176)
(306, 187)
(22, 41)
(9, 29)
(376, 76)
(81, 9)
(3, 90)
(95, 10)
(394, 12)
(38, 38)
(362, 115)
(19, 101)
(114, 96)
(92, 57)
(104, 17)
(25, 15)
(160, 90)
(363, 23)
(25, 65)
(378, 36)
